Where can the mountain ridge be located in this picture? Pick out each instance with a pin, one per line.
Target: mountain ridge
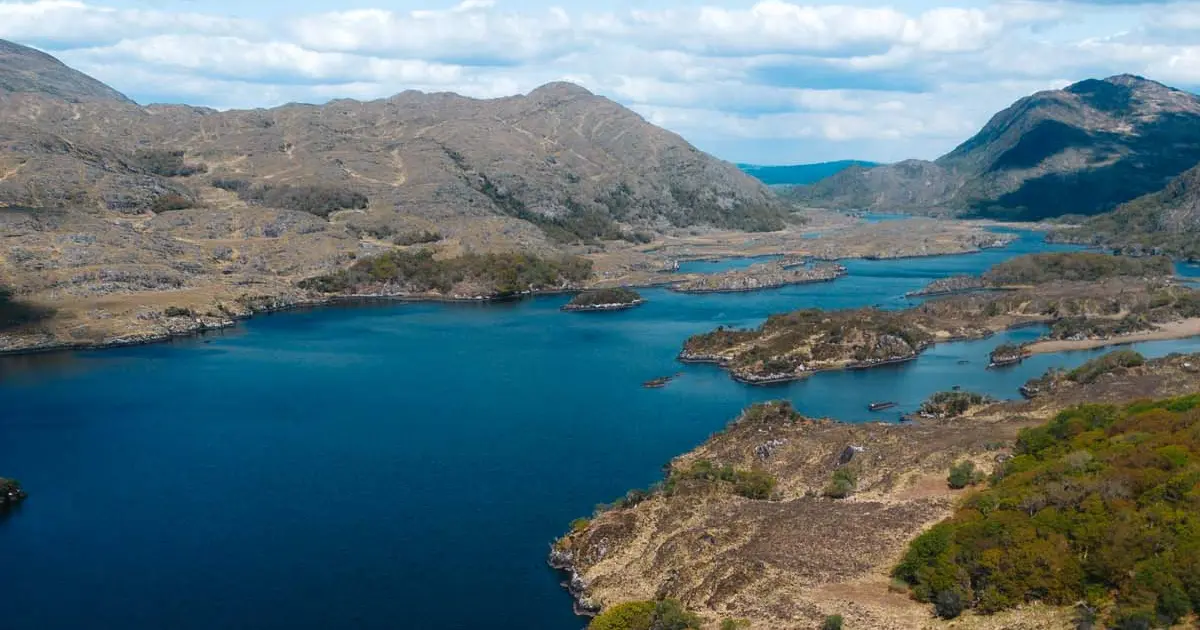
(1084, 149)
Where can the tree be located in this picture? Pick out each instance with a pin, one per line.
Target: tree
(832, 622)
(963, 474)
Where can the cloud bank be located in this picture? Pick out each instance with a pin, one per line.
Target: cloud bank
(775, 81)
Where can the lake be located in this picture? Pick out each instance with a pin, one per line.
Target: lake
(393, 465)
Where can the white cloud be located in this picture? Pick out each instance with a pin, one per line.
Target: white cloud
(909, 78)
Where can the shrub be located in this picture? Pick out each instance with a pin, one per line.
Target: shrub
(832, 622)
(754, 484)
(667, 614)
(963, 474)
(177, 311)
(842, 484)
(416, 238)
(948, 604)
(734, 624)
(166, 163)
(169, 202)
(579, 524)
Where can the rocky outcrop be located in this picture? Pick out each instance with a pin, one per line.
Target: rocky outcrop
(761, 276)
(10, 493)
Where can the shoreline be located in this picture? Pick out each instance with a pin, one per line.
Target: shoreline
(1183, 329)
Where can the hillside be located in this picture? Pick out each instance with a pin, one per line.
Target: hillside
(145, 208)
(798, 174)
(23, 69)
(1081, 150)
(1165, 222)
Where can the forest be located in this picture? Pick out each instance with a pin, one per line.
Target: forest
(1101, 505)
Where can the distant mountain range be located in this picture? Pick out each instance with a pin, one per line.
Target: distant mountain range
(1082, 150)
(798, 174)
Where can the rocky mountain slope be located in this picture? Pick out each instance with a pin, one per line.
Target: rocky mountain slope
(1083, 150)
(192, 208)
(1167, 221)
(23, 69)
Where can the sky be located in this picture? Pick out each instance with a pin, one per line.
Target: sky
(767, 82)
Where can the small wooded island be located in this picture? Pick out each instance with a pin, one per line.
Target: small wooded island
(614, 299)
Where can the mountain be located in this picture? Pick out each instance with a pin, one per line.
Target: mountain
(191, 210)
(798, 174)
(23, 69)
(1081, 150)
(1167, 221)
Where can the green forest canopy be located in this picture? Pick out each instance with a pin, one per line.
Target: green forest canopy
(1100, 504)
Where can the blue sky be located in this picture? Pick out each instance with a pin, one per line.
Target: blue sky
(772, 81)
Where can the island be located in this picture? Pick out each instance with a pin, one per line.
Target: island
(782, 520)
(761, 276)
(952, 404)
(1007, 354)
(614, 299)
(1084, 298)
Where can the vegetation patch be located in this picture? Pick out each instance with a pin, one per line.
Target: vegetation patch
(841, 484)
(1075, 266)
(666, 614)
(1101, 504)
(600, 298)
(419, 272)
(418, 237)
(166, 163)
(319, 200)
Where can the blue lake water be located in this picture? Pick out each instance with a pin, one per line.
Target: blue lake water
(722, 264)
(392, 466)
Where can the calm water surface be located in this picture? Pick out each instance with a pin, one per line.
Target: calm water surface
(391, 466)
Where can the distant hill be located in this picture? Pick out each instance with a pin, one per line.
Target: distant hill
(1167, 221)
(1082, 150)
(798, 174)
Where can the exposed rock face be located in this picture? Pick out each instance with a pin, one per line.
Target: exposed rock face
(1081, 150)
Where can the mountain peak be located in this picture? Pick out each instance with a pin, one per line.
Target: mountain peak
(27, 70)
(559, 91)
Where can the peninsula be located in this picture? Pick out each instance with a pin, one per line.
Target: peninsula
(783, 520)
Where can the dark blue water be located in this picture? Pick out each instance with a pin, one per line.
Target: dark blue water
(390, 466)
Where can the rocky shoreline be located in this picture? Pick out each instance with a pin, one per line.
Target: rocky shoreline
(760, 277)
(792, 559)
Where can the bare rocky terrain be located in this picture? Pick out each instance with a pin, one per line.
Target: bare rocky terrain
(1082, 150)
(787, 560)
(113, 214)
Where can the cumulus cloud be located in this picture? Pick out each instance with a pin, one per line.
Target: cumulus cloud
(777, 80)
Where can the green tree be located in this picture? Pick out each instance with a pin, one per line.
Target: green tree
(832, 622)
(842, 484)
